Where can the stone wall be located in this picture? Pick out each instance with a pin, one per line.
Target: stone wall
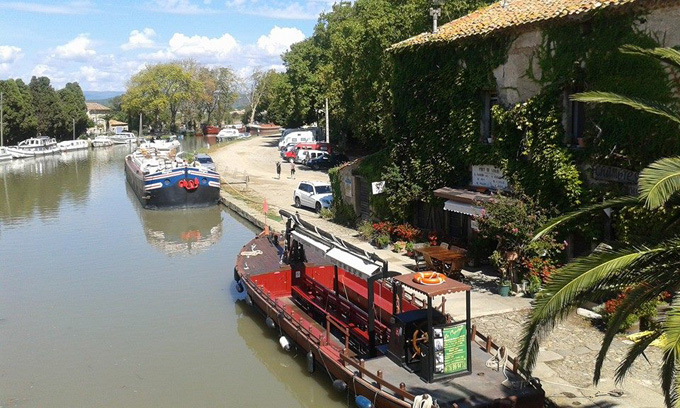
(515, 86)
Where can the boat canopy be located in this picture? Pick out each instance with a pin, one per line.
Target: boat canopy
(337, 251)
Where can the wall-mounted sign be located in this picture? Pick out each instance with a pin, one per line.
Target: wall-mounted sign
(489, 177)
(378, 187)
(608, 173)
(348, 186)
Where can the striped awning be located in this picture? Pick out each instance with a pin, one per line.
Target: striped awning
(462, 208)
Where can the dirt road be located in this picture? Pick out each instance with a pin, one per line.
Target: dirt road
(257, 158)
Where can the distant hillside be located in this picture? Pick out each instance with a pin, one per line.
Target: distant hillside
(97, 96)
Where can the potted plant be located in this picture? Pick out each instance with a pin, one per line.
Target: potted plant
(504, 285)
(410, 248)
(382, 241)
(398, 246)
(534, 285)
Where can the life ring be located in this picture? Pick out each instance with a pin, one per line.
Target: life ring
(429, 278)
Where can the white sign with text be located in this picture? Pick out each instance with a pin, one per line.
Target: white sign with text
(488, 176)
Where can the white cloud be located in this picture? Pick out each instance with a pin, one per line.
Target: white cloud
(73, 7)
(9, 53)
(201, 48)
(279, 40)
(140, 39)
(77, 49)
(41, 70)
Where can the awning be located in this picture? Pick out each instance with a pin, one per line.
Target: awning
(357, 265)
(462, 208)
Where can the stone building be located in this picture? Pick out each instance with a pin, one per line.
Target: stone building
(525, 31)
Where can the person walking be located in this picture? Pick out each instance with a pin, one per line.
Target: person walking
(292, 169)
(278, 170)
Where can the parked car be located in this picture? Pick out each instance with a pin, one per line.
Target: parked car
(205, 161)
(327, 161)
(313, 194)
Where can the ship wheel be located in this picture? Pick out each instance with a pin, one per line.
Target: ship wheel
(420, 337)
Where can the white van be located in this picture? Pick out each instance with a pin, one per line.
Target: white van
(304, 136)
(304, 154)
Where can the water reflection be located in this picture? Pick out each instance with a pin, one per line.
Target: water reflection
(179, 232)
(289, 368)
(37, 186)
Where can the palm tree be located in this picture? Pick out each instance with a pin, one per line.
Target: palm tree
(649, 269)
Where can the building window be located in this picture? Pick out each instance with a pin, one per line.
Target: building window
(490, 99)
(575, 117)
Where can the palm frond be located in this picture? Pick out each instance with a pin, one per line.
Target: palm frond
(635, 103)
(554, 222)
(660, 181)
(669, 55)
(564, 289)
(670, 394)
(633, 353)
(642, 293)
(669, 371)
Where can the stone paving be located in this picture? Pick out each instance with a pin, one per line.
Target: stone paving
(567, 356)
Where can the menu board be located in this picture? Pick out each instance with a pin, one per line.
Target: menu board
(450, 345)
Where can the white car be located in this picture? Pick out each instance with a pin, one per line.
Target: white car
(313, 194)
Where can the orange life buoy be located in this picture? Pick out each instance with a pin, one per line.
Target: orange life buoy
(429, 278)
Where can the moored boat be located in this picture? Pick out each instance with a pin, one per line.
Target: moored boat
(123, 138)
(5, 154)
(68, 145)
(165, 180)
(34, 146)
(383, 336)
(102, 141)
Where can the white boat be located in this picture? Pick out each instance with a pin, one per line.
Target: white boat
(5, 154)
(163, 146)
(68, 145)
(123, 138)
(34, 146)
(102, 141)
(228, 134)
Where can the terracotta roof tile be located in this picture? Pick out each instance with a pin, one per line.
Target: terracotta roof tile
(509, 14)
(96, 106)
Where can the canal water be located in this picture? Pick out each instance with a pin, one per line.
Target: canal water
(105, 304)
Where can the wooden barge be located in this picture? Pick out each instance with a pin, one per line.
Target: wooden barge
(377, 333)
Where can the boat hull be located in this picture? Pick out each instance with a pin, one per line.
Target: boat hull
(186, 187)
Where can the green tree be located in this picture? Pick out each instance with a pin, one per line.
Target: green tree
(157, 91)
(19, 119)
(649, 269)
(73, 109)
(258, 87)
(47, 106)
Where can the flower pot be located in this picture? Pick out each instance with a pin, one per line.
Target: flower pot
(504, 290)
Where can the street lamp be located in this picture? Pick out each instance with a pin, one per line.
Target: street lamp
(435, 12)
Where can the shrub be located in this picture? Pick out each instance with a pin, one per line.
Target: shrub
(406, 232)
(383, 228)
(397, 247)
(366, 231)
(410, 247)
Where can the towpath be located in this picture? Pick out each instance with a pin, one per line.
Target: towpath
(567, 357)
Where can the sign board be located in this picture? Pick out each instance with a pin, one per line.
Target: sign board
(489, 177)
(608, 173)
(450, 349)
(378, 187)
(348, 186)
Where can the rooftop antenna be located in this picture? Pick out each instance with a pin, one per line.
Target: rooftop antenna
(435, 12)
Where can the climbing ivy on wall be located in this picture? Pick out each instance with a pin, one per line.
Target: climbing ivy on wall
(438, 103)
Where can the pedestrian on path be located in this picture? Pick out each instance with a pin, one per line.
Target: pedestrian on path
(292, 169)
(278, 170)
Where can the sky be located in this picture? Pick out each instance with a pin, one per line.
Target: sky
(101, 44)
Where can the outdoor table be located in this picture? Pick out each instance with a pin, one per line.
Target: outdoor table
(452, 258)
